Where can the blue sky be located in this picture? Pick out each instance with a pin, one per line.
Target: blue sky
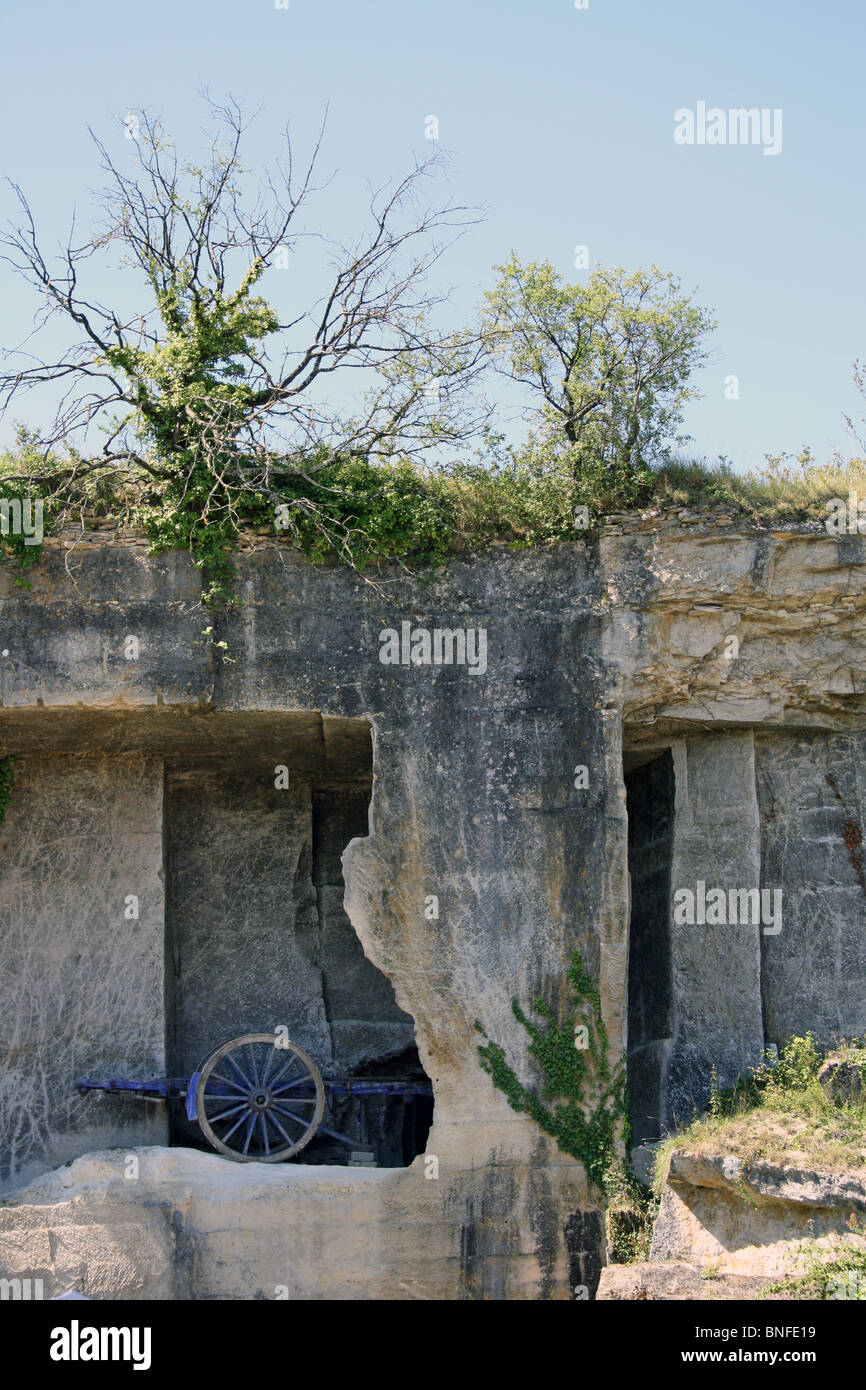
(559, 122)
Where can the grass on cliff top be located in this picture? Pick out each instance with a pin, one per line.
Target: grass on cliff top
(385, 511)
(782, 491)
(780, 1114)
(517, 504)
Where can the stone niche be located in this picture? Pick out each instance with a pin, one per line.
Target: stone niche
(158, 901)
(650, 803)
(81, 987)
(776, 812)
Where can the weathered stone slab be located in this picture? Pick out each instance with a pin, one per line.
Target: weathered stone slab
(242, 913)
(716, 967)
(82, 949)
(842, 1080)
(676, 1281)
(753, 1218)
(196, 1226)
(812, 794)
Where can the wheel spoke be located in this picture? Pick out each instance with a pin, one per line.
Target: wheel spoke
(274, 1121)
(293, 1058)
(225, 1113)
(248, 1085)
(236, 1125)
(267, 1071)
(252, 1051)
(215, 1076)
(265, 1135)
(249, 1133)
(298, 1119)
(302, 1081)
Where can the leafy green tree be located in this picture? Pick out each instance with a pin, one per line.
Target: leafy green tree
(608, 362)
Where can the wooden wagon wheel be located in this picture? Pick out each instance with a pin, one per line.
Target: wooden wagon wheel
(259, 1099)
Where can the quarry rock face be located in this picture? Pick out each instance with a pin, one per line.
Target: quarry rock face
(727, 1228)
(841, 1080)
(196, 1226)
(450, 831)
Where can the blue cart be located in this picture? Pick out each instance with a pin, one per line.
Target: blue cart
(259, 1098)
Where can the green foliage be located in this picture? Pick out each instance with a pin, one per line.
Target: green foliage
(825, 1279)
(511, 497)
(189, 387)
(630, 1211)
(590, 1105)
(798, 1066)
(785, 490)
(608, 360)
(530, 496)
(15, 544)
(786, 1080)
(192, 401)
(349, 509)
(7, 782)
(366, 511)
(359, 511)
(779, 1105)
(183, 514)
(212, 403)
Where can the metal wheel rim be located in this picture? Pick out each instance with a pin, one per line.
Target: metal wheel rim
(248, 1099)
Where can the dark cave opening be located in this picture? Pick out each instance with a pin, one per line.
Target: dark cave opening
(649, 782)
(258, 939)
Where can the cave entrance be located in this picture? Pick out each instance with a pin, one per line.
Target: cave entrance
(257, 936)
(649, 784)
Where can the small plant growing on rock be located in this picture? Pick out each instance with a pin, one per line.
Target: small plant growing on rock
(588, 1112)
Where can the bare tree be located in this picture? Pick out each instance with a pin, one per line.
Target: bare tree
(206, 394)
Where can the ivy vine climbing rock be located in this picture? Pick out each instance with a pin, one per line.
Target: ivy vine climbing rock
(589, 1109)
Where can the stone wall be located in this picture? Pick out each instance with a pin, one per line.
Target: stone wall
(812, 793)
(777, 813)
(242, 912)
(366, 1023)
(716, 968)
(473, 803)
(476, 806)
(81, 979)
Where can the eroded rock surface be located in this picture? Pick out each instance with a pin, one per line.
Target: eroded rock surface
(157, 1223)
(753, 1218)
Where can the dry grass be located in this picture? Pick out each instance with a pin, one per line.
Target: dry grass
(783, 1117)
(797, 491)
(834, 1142)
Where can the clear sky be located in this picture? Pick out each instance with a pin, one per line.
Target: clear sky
(560, 122)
